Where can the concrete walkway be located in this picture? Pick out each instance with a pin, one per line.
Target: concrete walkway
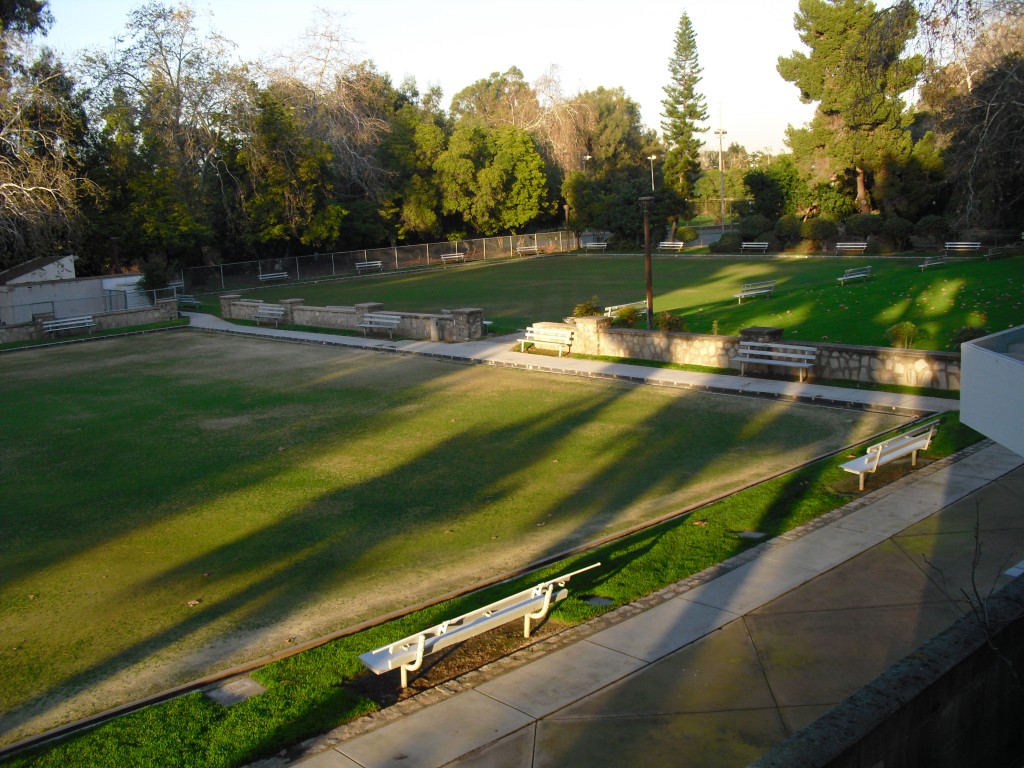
(717, 669)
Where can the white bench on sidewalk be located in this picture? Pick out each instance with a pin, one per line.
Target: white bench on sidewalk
(959, 247)
(777, 354)
(529, 605)
(763, 288)
(857, 273)
(273, 312)
(380, 321)
(366, 266)
(561, 338)
(68, 323)
(850, 247)
(917, 439)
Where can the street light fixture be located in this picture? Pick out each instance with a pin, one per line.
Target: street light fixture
(645, 204)
(652, 158)
(721, 172)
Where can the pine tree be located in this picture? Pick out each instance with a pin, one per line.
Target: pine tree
(684, 110)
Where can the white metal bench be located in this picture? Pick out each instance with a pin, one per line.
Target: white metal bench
(851, 247)
(68, 323)
(777, 354)
(527, 250)
(452, 257)
(273, 275)
(749, 290)
(380, 321)
(595, 246)
(857, 273)
(269, 312)
(614, 308)
(959, 247)
(932, 261)
(762, 247)
(366, 266)
(671, 245)
(561, 338)
(917, 439)
(187, 300)
(529, 605)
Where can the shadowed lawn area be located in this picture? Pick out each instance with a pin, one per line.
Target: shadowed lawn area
(180, 503)
(808, 301)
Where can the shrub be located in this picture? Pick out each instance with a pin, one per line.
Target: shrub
(727, 243)
(687, 234)
(750, 227)
(588, 308)
(669, 323)
(898, 230)
(932, 227)
(903, 334)
(819, 231)
(967, 333)
(629, 317)
(715, 328)
(864, 224)
(787, 229)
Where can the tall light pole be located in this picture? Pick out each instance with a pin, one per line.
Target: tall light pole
(652, 158)
(645, 204)
(721, 172)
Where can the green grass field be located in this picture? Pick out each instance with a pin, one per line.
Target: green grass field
(808, 302)
(180, 502)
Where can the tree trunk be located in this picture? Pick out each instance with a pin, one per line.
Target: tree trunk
(863, 204)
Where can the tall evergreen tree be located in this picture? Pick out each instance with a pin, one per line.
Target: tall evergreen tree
(684, 110)
(856, 72)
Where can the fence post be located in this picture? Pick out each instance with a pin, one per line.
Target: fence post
(221, 268)
(297, 276)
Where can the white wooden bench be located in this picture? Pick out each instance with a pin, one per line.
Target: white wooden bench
(68, 323)
(269, 312)
(857, 273)
(850, 247)
(614, 308)
(762, 247)
(777, 354)
(561, 338)
(529, 605)
(932, 261)
(380, 321)
(595, 246)
(917, 439)
(959, 247)
(671, 245)
(366, 266)
(187, 300)
(748, 290)
(527, 250)
(273, 275)
(452, 257)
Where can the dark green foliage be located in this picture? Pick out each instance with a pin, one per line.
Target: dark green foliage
(787, 229)
(728, 243)
(667, 322)
(863, 225)
(819, 231)
(965, 334)
(898, 230)
(752, 227)
(687, 234)
(684, 109)
(630, 317)
(588, 308)
(932, 228)
(903, 334)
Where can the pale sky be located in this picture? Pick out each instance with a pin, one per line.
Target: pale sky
(454, 43)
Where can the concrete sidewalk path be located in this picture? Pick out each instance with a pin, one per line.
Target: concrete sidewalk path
(714, 672)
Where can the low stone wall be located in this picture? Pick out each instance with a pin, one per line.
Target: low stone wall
(465, 324)
(165, 310)
(869, 365)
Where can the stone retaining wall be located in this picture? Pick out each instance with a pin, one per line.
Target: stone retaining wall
(165, 310)
(465, 324)
(869, 365)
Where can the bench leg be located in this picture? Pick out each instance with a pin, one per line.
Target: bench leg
(540, 613)
(412, 666)
(913, 458)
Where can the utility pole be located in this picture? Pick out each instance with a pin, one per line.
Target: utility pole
(645, 203)
(721, 167)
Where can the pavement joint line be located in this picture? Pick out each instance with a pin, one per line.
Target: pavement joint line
(581, 632)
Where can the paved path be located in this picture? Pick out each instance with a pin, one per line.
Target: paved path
(715, 670)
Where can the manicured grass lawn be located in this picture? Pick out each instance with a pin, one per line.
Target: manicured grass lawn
(808, 302)
(181, 502)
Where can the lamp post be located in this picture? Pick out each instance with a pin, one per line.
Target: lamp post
(645, 204)
(585, 159)
(652, 158)
(721, 172)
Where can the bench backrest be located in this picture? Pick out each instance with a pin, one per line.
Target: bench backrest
(563, 335)
(917, 439)
(775, 351)
(857, 271)
(383, 317)
(755, 286)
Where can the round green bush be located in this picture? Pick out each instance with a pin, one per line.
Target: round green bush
(727, 243)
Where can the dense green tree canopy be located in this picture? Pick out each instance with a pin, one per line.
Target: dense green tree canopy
(684, 111)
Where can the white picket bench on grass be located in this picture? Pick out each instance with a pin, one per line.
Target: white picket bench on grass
(529, 605)
(917, 439)
(762, 288)
(561, 338)
(857, 273)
